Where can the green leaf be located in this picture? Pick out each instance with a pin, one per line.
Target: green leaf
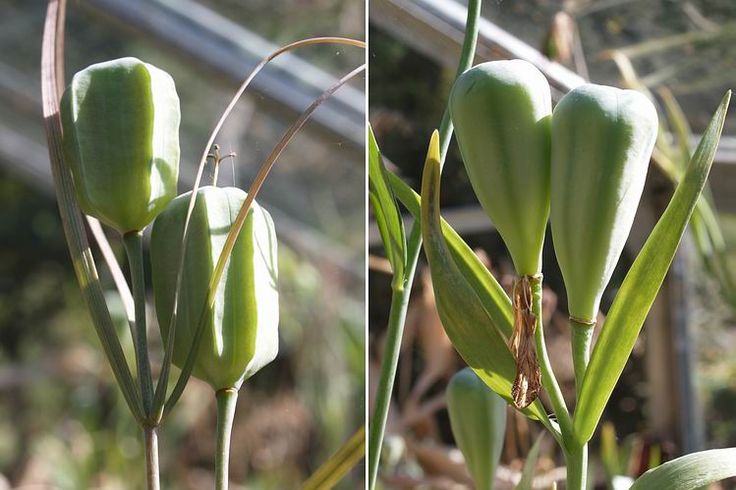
(468, 324)
(640, 287)
(527, 473)
(493, 297)
(385, 209)
(339, 464)
(690, 471)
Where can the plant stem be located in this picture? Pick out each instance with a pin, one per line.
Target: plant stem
(581, 338)
(400, 295)
(576, 460)
(133, 242)
(549, 381)
(227, 399)
(397, 317)
(151, 449)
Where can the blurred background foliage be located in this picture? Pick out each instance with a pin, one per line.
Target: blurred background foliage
(63, 424)
(686, 46)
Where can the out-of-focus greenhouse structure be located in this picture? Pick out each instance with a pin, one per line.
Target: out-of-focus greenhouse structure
(679, 390)
(62, 422)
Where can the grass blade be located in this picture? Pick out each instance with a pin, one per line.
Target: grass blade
(691, 471)
(640, 287)
(385, 209)
(71, 217)
(527, 473)
(339, 464)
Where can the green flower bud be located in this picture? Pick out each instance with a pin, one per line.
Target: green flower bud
(120, 121)
(602, 140)
(478, 421)
(241, 330)
(501, 115)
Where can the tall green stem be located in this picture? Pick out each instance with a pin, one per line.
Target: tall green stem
(581, 338)
(576, 460)
(549, 381)
(227, 399)
(397, 317)
(400, 295)
(150, 444)
(133, 242)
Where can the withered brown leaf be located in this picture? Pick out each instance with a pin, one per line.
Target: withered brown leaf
(528, 377)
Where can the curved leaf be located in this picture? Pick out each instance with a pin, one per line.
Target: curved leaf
(640, 287)
(468, 325)
(385, 209)
(493, 297)
(690, 471)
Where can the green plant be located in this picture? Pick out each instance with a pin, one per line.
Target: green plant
(403, 254)
(625, 317)
(144, 115)
(481, 320)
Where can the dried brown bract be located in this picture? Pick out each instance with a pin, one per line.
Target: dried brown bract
(528, 377)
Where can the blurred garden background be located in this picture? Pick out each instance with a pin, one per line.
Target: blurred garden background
(63, 423)
(678, 391)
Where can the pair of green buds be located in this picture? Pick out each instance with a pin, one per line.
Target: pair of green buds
(121, 140)
(582, 166)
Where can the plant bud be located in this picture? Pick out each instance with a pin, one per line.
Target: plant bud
(120, 121)
(478, 421)
(602, 140)
(501, 111)
(241, 329)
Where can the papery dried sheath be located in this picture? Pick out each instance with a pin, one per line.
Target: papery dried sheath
(120, 121)
(478, 421)
(241, 330)
(602, 140)
(501, 111)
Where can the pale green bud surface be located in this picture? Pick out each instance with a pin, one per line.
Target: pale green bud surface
(478, 421)
(120, 121)
(241, 330)
(602, 140)
(501, 112)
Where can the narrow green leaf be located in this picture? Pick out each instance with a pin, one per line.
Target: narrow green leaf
(610, 452)
(527, 473)
(678, 122)
(467, 323)
(640, 287)
(493, 297)
(339, 464)
(385, 209)
(71, 218)
(690, 471)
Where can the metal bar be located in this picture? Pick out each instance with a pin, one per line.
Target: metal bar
(231, 51)
(435, 28)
